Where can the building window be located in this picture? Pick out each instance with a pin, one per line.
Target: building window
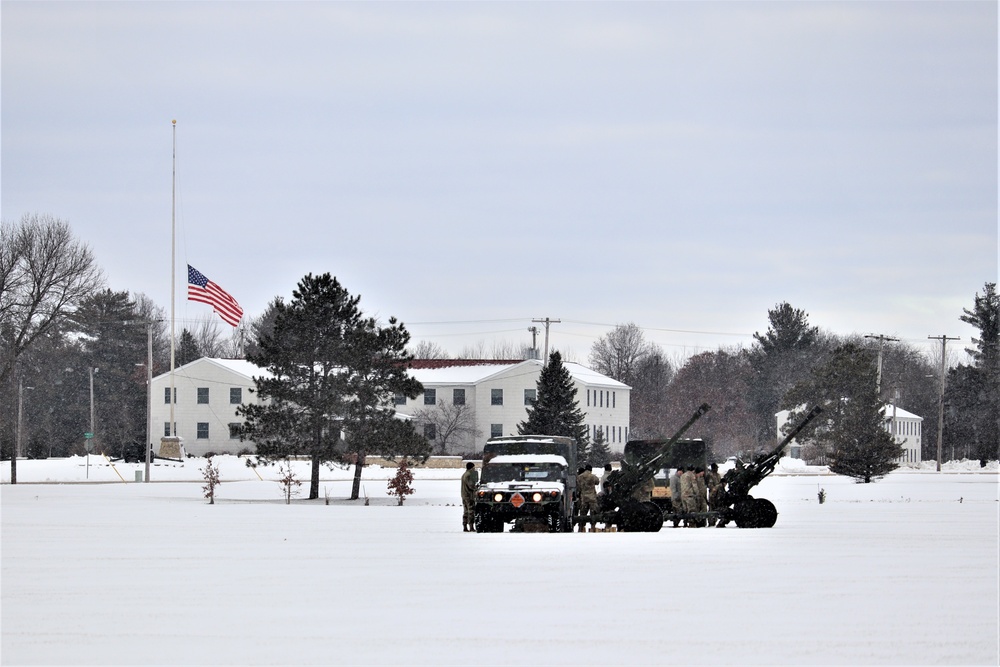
(399, 399)
(235, 395)
(203, 430)
(166, 395)
(601, 399)
(614, 399)
(430, 396)
(496, 396)
(166, 429)
(529, 396)
(203, 395)
(234, 430)
(458, 396)
(496, 430)
(430, 431)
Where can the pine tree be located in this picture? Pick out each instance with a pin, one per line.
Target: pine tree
(331, 370)
(852, 431)
(600, 452)
(779, 358)
(555, 410)
(973, 392)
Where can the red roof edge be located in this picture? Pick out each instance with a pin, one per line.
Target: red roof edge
(448, 363)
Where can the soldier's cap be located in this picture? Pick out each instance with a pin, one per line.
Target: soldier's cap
(470, 465)
(589, 467)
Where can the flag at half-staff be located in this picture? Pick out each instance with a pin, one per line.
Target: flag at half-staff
(203, 290)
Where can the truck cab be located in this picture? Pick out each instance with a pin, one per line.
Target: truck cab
(528, 481)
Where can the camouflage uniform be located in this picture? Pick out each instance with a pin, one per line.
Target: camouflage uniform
(689, 492)
(644, 492)
(701, 492)
(675, 494)
(714, 482)
(470, 478)
(586, 486)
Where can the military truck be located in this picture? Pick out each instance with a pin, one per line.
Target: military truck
(528, 481)
(683, 453)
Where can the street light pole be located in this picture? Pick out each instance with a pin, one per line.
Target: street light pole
(92, 432)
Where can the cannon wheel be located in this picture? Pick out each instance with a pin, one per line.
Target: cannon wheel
(653, 517)
(755, 513)
(640, 517)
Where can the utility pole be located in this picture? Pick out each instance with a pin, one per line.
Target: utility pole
(944, 345)
(881, 342)
(547, 322)
(534, 340)
(149, 396)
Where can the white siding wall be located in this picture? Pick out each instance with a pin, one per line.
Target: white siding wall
(188, 413)
(606, 408)
(613, 415)
(909, 436)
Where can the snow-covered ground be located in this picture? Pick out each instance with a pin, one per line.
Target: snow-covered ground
(903, 571)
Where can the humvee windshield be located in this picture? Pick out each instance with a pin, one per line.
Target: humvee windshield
(523, 472)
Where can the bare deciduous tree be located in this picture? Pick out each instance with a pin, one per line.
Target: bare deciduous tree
(428, 350)
(618, 353)
(44, 274)
(454, 426)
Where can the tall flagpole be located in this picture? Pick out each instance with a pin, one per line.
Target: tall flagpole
(172, 429)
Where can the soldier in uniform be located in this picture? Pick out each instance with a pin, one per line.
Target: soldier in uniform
(701, 493)
(470, 478)
(586, 486)
(675, 494)
(689, 492)
(714, 482)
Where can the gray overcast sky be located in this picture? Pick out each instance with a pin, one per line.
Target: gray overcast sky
(685, 166)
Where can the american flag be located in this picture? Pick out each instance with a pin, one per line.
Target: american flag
(203, 290)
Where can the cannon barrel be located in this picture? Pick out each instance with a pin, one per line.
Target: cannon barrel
(633, 475)
(742, 479)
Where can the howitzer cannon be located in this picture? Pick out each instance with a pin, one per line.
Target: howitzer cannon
(623, 502)
(735, 502)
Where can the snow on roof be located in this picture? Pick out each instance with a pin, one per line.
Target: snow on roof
(238, 366)
(900, 413)
(533, 458)
(886, 411)
(449, 372)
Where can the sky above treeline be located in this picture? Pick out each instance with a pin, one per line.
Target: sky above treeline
(471, 167)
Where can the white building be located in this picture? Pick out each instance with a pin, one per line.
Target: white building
(499, 393)
(208, 391)
(906, 426)
(206, 395)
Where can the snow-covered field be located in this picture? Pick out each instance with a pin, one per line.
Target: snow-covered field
(903, 571)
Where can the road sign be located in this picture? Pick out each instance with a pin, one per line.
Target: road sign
(88, 436)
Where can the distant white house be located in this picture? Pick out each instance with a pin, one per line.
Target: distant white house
(500, 392)
(206, 394)
(905, 426)
(208, 391)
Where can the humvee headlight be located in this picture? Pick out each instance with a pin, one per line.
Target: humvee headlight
(536, 497)
(498, 497)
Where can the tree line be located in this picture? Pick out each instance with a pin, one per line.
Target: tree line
(74, 360)
(793, 365)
